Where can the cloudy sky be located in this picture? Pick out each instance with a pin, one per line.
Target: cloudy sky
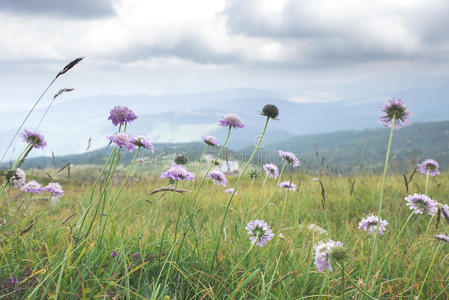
(310, 50)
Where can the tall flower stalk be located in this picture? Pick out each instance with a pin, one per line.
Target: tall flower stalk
(63, 71)
(395, 116)
(220, 232)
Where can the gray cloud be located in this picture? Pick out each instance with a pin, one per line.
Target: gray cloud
(71, 8)
(320, 33)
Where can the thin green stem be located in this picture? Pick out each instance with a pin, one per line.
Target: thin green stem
(119, 191)
(274, 191)
(168, 217)
(427, 182)
(430, 268)
(26, 118)
(387, 159)
(235, 190)
(343, 280)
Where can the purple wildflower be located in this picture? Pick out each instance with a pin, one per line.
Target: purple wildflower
(369, 223)
(420, 203)
(114, 253)
(289, 158)
(121, 115)
(122, 139)
(322, 254)
(288, 185)
(210, 140)
(259, 231)
(231, 120)
(33, 138)
(442, 237)
(16, 177)
(136, 255)
(32, 187)
(271, 170)
(218, 177)
(55, 189)
(178, 173)
(395, 108)
(13, 280)
(141, 141)
(430, 166)
(230, 191)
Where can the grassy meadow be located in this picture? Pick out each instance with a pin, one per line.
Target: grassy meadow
(161, 246)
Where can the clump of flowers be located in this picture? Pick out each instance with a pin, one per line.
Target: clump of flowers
(16, 178)
(122, 139)
(288, 185)
(420, 203)
(218, 177)
(323, 251)
(141, 141)
(289, 158)
(369, 223)
(271, 170)
(396, 109)
(231, 120)
(430, 166)
(34, 138)
(230, 191)
(316, 229)
(32, 187)
(270, 111)
(121, 115)
(210, 140)
(259, 232)
(442, 237)
(55, 189)
(178, 173)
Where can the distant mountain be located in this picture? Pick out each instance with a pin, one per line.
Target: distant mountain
(185, 117)
(341, 152)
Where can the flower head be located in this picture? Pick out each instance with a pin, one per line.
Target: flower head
(33, 138)
(430, 166)
(420, 203)
(218, 177)
(121, 115)
(141, 141)
(445, 212)
(270, 111)
(230, 191)
(55, 189)
(252, 174)
(231, 120)
(259, 232)
(271, 170)
(442, 237)
(16, 177)
(210, 140)
(32, 187)
(395, 108)
(114, 253)
(289, 158)
(122, 139)
(369, 223)
(178, 173)
(181, 160)
(288, 185)
(323, 252)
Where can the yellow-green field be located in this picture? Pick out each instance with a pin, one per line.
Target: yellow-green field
(175, 238)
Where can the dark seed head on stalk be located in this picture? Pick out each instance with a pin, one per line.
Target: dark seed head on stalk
(252, 174)
(270, 111)
(70, 65)
(61, 91)
(339, 253)
(181, 160)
